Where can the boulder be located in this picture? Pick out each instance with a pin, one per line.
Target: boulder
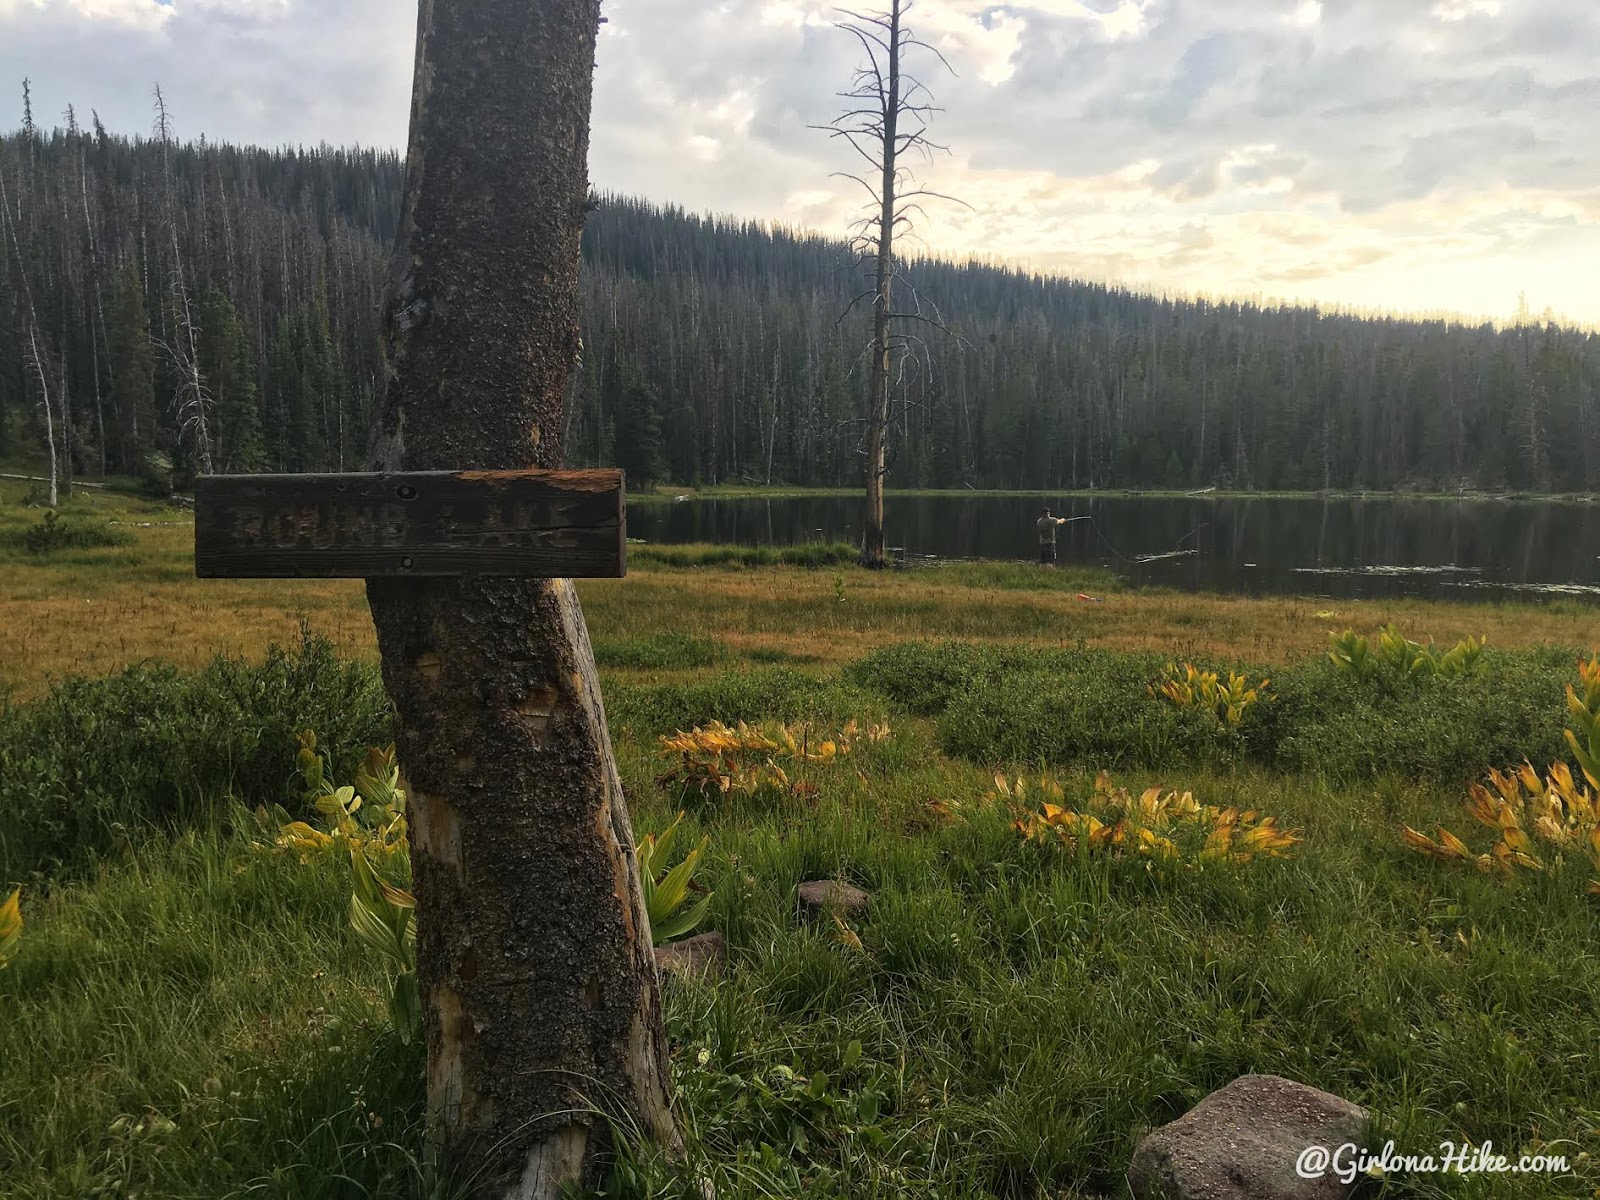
(832, 895)
(1245, 1141)
(703, 954)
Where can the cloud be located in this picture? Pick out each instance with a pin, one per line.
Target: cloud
(1355, 151)
(138, 14)
(265, 71)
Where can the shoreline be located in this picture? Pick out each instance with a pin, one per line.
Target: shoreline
(13, 472)
(663, 494)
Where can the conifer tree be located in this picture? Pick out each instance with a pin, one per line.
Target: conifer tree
(133, 403)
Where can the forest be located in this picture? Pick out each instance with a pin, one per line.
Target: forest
(173, 307)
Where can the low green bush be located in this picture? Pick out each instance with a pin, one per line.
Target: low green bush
(1089, 706)
(760, 694)
(773, 654)
(806, 554)
(92, 762)
(1027, 706)
(992, 576)
(1032, 706)
(659, 651)
(923, 678)
(1510, 707)
(72, 532)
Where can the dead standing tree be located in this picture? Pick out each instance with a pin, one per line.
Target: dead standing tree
(191, 397)
(35, 355)
(533, 947)
(886, 123)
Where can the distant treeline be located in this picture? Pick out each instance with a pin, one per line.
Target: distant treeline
(194, 303)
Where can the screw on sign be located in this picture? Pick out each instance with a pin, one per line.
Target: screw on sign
(532, 524)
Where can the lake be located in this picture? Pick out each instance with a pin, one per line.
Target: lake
(1298, 545)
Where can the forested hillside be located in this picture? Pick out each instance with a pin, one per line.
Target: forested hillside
(190, 304)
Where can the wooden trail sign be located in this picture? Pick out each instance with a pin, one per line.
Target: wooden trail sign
(534, 524)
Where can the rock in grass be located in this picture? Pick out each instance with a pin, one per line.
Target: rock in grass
(1244, 1141)
(703, 954)
(832, 895)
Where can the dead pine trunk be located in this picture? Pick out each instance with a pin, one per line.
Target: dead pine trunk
(534, 959)
(37, 359)
(885, 118)
(877, 466)
(872, 548)
(36, 353)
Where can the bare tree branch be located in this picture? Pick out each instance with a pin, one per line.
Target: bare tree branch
(887, 118)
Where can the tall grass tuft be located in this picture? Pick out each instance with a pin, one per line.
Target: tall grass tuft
(804, 554)
(71, 532)
(94, 763)
(1031, 706)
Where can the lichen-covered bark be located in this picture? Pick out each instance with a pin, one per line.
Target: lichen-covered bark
(533, 950)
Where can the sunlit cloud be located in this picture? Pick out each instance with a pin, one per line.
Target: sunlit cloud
(138, 14)
(1125, 20)
(1460, 10)
(1307, 13)
(790, 14)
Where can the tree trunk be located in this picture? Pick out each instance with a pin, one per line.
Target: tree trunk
(49, 418)
(882, 309)
(534, 953)
(30, 318)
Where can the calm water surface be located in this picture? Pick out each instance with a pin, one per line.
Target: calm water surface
(1305, 546)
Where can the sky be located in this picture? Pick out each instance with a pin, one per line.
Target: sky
(1414, 156)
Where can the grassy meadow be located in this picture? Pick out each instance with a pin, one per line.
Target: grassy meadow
(91, 611)
(189, 1015)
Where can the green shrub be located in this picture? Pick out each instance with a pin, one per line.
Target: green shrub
(991, 575)
(92, 762)
(923, 678)
(659, 651)
(72, 532)
(1508, 708)
(1091, 707)
(1030, 706)
(774, 654)
(806, 554)
(763, 693)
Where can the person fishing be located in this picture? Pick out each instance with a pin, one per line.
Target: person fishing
(1047, 526)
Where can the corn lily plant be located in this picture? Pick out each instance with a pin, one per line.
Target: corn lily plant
(666, 889)
(10, 926)
(1539, 820)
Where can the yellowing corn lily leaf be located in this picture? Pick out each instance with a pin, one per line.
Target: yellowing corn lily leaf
(10, 926)
(1422, 843)
(844, 935)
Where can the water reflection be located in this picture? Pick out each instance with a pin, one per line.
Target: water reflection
(1310, 545)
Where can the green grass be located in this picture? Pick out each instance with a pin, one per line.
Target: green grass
(667, 650)
(1014, 1019)
(98, 763)
(1025, 1017)
(55, 532)
(1033, 705)
(804, 554)
(195, 1020)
